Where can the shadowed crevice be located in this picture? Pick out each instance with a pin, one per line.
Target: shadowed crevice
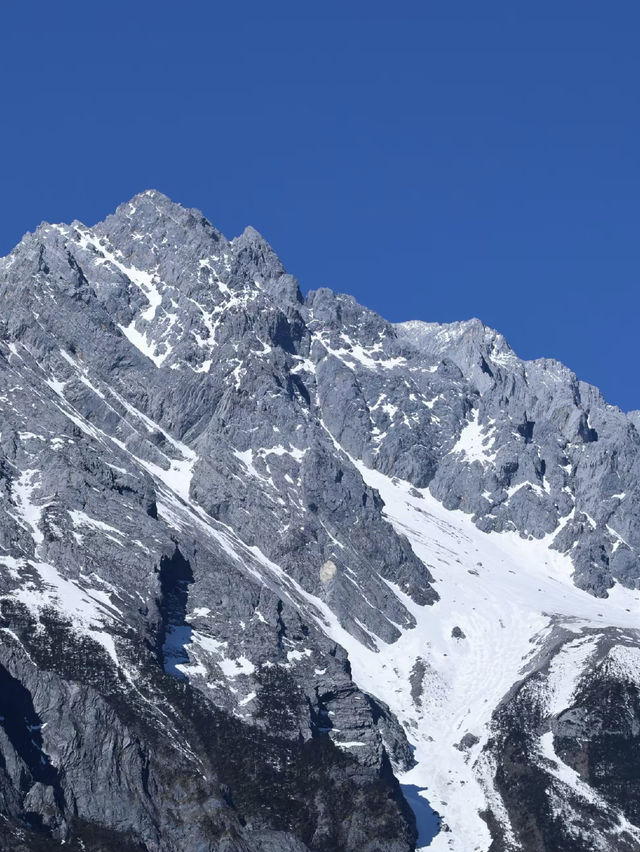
(175, 633)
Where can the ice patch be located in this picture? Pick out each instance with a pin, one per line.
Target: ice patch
(473, 442)
(31, 512)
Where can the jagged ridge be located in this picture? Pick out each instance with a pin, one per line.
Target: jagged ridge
(168, 391)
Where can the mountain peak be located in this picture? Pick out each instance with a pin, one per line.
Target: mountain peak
(250, 234)
(153, 195)
(400, 545)
(152, 204)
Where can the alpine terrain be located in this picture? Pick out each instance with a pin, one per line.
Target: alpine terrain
(276, 574)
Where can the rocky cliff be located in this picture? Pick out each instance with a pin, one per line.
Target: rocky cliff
(271, 567)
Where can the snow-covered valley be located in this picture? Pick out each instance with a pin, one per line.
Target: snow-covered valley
(505, 595)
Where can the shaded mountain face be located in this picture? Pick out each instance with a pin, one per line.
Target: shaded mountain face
(266, 562)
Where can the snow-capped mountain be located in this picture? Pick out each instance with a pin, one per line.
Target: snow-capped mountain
(276, 574)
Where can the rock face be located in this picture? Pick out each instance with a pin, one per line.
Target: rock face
(262, 555)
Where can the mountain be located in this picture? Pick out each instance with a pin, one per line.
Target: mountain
(276, 574)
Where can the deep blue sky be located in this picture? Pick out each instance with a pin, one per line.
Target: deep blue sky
(439, 160)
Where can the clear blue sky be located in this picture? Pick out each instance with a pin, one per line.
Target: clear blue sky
(439, 160)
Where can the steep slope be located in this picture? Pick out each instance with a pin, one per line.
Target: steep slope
(260, 552)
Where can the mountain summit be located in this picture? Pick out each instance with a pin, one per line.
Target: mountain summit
(273, 568)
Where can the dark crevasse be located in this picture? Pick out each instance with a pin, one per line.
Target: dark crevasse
(175, 634)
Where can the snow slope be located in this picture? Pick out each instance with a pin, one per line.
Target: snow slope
(505, 594)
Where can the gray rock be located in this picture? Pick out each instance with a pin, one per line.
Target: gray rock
(182, 510)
